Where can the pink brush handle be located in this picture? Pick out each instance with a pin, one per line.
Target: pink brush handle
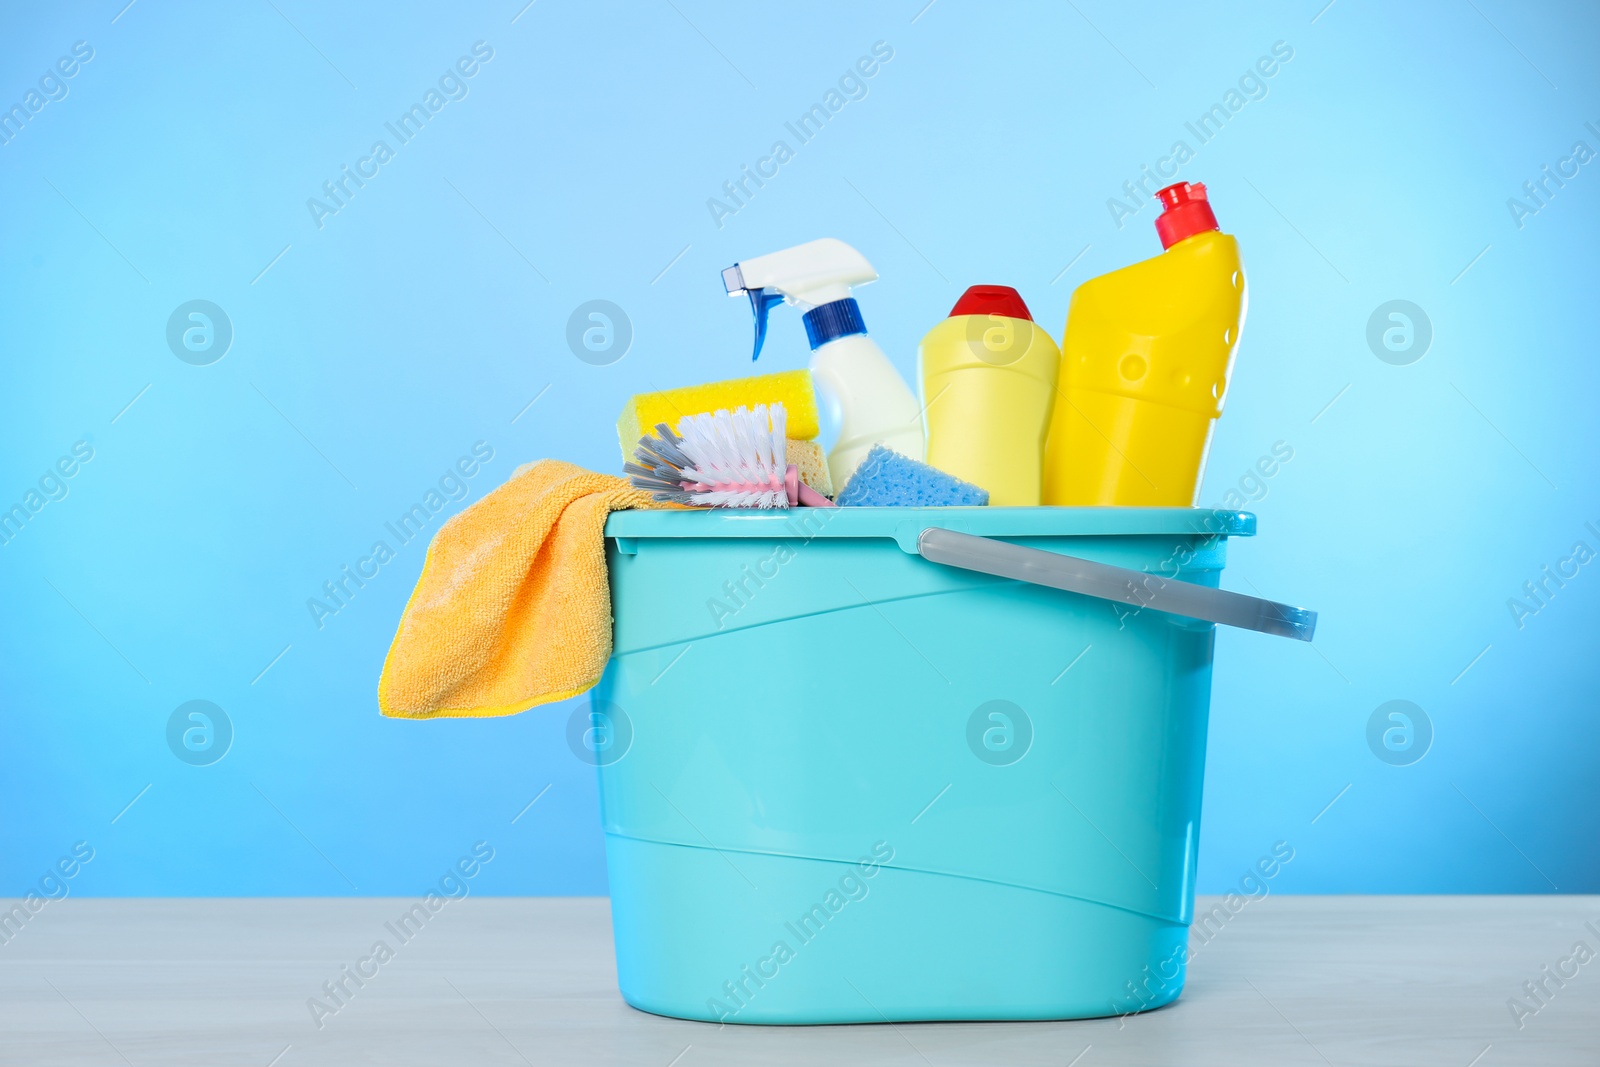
(802, 494)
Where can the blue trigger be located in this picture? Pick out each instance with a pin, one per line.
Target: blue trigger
(761, 302)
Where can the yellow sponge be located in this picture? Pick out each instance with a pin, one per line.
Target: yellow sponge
(811, 464)
(793, 388)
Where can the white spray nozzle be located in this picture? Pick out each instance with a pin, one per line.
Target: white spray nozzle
(807, 276)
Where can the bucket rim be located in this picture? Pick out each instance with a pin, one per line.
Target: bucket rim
(904, 524)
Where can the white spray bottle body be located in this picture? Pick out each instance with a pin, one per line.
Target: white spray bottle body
(870, 399)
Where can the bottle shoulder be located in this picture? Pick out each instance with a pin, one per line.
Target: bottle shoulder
(1212, 254)
(856, 373)
(1201, 277)
(989, 342)
(856, 347)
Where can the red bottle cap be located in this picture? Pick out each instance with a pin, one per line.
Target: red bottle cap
(991, 300)
(1184, 213)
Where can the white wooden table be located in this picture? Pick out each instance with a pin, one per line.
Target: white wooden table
(1292, 980)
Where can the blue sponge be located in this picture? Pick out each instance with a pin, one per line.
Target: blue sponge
(886, 479)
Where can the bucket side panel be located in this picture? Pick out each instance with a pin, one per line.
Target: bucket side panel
(764, 939)
(827, 733)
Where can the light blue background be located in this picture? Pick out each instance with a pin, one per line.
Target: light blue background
(426, 314)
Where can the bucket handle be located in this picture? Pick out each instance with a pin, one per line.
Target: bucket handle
(1119, 584)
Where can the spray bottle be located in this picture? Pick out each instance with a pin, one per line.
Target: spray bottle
(856, 381)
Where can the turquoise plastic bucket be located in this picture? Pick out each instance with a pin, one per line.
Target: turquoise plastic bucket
(842, 783)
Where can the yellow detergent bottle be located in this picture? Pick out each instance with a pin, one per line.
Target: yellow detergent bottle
(988, 375)
(1145, 364)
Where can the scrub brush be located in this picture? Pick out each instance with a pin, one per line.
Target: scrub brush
(723, 460)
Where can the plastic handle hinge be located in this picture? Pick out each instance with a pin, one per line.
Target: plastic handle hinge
(1117, 584)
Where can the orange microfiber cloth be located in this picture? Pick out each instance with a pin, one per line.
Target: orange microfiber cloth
(513, 608)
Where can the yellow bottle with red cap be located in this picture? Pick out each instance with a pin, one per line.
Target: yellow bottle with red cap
(1145, 365)
(988, 375)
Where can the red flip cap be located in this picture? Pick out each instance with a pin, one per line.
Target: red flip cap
(1184, 213)
(991, 300)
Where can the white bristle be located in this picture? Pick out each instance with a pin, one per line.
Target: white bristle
(739, 458)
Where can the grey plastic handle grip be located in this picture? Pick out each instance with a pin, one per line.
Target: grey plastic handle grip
(1136, 588)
